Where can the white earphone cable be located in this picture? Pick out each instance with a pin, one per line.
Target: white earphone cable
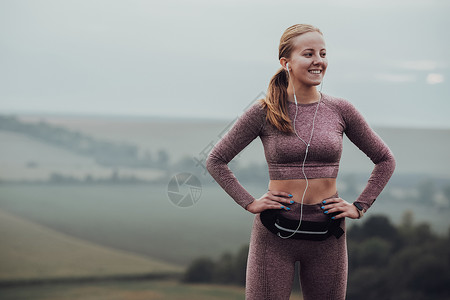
(306, 152)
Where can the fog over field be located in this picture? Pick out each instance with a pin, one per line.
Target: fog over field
(137, 216)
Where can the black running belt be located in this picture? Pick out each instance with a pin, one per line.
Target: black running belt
(309, 230)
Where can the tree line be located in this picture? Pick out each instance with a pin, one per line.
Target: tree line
(105, 153)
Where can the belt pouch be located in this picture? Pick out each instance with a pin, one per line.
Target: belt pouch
(309, 230)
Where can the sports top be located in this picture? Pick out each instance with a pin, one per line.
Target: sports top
(285, 152)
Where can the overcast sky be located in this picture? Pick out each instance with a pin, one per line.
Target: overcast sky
(210, 59)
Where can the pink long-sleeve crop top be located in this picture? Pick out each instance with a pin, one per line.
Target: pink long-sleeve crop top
(284, 152)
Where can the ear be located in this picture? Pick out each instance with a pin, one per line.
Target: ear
(283, 62)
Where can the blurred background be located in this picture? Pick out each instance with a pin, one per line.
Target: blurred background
(108, 110)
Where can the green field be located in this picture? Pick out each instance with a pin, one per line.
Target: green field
(134, 218)
(134, 290)
(32, 252)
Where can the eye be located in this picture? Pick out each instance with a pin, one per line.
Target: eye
(308, 54)
(323, 54)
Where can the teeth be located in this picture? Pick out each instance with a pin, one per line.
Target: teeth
(315, 71)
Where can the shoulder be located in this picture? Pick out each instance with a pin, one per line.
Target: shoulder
(338, 103)
(252, 117)
(256, 110)
(259, 106)
(343, 106)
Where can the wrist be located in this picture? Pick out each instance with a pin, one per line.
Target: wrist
(361, 210)
(246, 207)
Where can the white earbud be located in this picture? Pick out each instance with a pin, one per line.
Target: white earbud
(287, 67)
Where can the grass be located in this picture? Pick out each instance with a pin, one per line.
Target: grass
(135, 218)
(29, 251)
(129, 290)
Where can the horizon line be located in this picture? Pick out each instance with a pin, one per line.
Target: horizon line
(148, 117)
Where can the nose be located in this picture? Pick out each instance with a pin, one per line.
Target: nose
(318, 60)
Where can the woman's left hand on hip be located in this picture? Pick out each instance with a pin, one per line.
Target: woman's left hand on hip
(340, 206)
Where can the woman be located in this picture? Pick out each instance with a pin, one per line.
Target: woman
(301, 217)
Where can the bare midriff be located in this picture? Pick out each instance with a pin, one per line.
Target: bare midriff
(318, 189)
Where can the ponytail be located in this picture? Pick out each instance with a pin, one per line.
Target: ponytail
(275, 101)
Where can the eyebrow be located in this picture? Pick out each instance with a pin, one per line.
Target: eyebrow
(311, 49)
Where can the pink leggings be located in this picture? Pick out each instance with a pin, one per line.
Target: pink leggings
(271, 261)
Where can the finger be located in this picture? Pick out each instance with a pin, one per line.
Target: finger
(281, 206)
(332, 207)
(339, 216)
(333, 203)
(285, 201)
(328, 201)
(331, 200)
(281, 193)
(335, 208)
(281, 199)
(275, 205)
(325, 207)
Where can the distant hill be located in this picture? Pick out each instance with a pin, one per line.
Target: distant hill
(417, 150)
(29, 251)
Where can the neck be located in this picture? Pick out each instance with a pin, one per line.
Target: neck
(305, 95)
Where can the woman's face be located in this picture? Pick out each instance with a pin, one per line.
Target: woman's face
(308, 62)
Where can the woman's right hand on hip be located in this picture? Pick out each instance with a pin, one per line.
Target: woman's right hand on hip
(270, 200)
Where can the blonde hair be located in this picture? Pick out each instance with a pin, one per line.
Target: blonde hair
(276, 99)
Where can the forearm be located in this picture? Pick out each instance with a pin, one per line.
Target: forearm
(379, 178)
(220, 171)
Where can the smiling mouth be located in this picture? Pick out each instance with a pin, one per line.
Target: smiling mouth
(315, 71)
